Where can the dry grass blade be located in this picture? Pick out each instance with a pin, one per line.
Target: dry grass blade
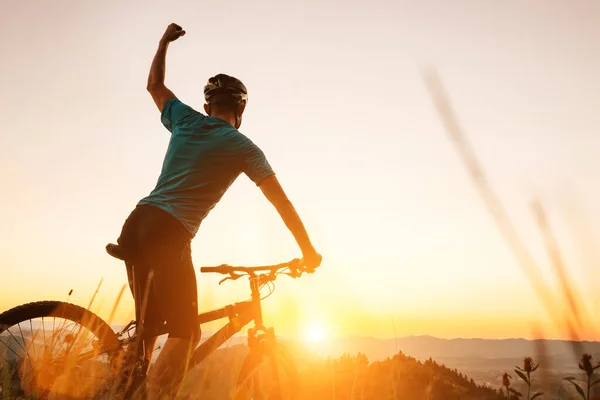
(490, 198)
(146, 295)
(586, 246)
(574, 319)
(116, 305)
(89, 307)
(555, 256)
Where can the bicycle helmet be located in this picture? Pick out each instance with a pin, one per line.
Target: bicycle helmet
(225, 89)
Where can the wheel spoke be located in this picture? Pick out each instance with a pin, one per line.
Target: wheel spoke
(77, 340)
(34, 333)
(56, 333)
(13, 336)
(24, 343)
(64, 342)
(7, 361)
(52, 337)
(14, 368)
(9, 348)
(44, 329)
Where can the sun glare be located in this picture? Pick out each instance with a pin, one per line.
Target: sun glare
(315, 333)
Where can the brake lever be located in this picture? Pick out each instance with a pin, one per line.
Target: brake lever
(233, 277)
(295, 272)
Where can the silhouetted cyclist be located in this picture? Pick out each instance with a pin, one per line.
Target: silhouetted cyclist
(206, 153)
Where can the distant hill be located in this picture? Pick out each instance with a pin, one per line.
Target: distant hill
(423, 347)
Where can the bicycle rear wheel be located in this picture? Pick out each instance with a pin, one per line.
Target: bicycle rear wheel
(268, 373)
(55, 349)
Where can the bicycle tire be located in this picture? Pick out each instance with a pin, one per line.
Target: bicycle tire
(277, 359)
(107, 340)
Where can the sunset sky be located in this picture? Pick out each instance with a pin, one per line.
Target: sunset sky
(337, 103)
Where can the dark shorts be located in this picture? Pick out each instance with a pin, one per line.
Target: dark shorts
(157, 242)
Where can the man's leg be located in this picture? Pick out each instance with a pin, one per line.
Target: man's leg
(165, 272)
(179, 296)
(133, 237)
(166, 376)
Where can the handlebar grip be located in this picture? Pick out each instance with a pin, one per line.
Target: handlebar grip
(221, 269)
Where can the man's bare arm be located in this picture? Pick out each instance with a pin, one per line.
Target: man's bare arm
(275, 194)
(156, 78)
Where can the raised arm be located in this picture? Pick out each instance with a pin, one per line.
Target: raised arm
(275, 194)
(156, 79)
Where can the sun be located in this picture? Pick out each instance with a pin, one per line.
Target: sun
(315, 333)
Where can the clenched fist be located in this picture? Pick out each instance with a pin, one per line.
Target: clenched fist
(172, 33)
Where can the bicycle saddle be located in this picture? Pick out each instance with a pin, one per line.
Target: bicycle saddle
(116, 251)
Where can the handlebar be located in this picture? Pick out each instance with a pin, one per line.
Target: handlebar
(295, 270)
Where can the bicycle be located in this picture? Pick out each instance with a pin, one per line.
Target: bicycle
(83, 369)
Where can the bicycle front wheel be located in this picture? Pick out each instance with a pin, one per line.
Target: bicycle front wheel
(268, 373)
(57, 350)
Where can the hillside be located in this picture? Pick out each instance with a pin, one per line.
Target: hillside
(347, 377)
(452, 376)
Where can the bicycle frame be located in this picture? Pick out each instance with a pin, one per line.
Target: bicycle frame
(239, 314)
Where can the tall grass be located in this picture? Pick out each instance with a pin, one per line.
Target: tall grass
(573, 320)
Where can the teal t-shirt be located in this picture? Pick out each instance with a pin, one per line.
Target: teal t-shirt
(205, 156)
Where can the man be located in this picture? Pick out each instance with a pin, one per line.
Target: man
(206, 154)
